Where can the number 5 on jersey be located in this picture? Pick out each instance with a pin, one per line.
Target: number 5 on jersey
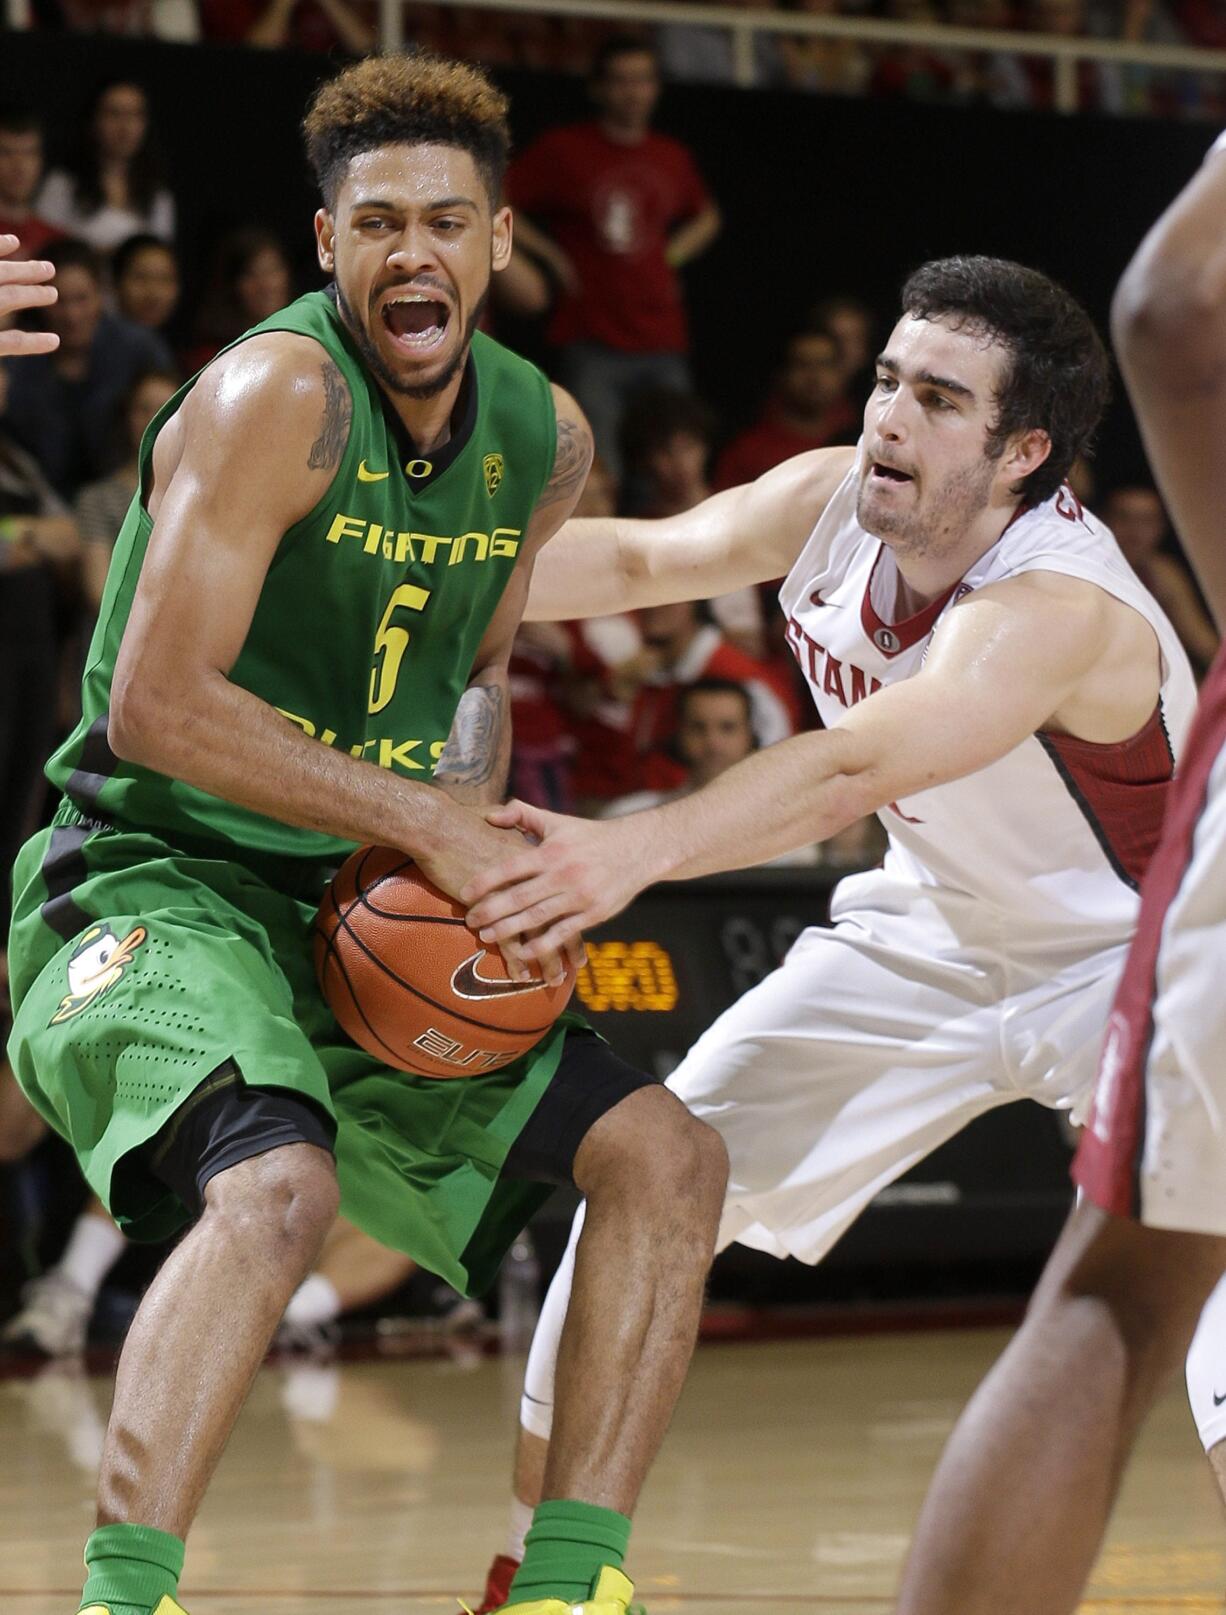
(391, 642)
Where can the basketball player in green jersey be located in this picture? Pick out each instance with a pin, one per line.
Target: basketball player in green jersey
(302, 646)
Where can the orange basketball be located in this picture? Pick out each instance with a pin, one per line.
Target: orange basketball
(411, 984)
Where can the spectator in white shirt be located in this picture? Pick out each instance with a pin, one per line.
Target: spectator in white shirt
(114, 188)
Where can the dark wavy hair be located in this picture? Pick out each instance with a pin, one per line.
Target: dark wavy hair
(1058, 376)
(146, 172)
(413, 99)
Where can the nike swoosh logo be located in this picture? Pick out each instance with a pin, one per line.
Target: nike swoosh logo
(468, 982)
(1218, 1400)
(371, 476)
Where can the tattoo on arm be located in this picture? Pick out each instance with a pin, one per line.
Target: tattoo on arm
(571, 462)
(328, 447)
(477, 756)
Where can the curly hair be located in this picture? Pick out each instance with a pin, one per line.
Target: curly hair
(1058, 378)
(412, 99)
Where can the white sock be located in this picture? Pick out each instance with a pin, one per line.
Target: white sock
(517, 1529)
(314, 1301)
(1206, 1370)
(93, 1248)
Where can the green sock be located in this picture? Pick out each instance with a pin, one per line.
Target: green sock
(565, 1548)
(131, 1567)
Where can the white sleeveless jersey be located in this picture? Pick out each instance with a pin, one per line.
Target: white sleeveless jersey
(1049, 842)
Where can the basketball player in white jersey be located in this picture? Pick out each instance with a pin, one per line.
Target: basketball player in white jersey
(994, 681)
(1021, 1498)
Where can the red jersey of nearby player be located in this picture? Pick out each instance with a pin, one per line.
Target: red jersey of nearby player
(768, 444)
(611, 207)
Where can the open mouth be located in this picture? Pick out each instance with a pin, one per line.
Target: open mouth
(880, 472)
(416, 324)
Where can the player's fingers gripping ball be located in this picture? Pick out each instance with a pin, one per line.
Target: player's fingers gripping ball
(411, 984)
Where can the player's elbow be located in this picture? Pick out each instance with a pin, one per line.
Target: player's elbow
(1169, 312)
(138, 725)
(124, 728)
(849, 796)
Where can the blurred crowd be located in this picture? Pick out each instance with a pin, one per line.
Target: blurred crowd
(700, 53)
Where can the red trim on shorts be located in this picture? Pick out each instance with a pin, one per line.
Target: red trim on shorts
(1108, 1163)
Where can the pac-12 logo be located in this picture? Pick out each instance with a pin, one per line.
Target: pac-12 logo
(97, 962)
(494, 467)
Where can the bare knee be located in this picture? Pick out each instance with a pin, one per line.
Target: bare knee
(652, 1153)
(283, 1201)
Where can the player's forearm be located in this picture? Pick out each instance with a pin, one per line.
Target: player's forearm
(599, 565)
(226, 741)
(579, 573)
(787, 796)
(476, 760)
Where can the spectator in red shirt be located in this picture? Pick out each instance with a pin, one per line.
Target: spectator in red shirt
(687, 645)
(21, 172)
(614, 210)
(809, 409)
(312, 25)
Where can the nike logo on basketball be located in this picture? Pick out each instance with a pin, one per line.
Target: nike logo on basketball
(468, 982)
(371, 476)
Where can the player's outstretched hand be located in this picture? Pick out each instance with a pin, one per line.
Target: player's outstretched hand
(24, 284)
(473, 845)
(541, 898)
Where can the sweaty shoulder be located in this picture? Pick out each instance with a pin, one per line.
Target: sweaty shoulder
(776, 513)
(804, 485)
(276, 408)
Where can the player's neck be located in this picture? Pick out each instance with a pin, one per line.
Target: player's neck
(926, 577)
(428, 421)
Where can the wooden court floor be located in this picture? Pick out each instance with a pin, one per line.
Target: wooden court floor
(788, 1483)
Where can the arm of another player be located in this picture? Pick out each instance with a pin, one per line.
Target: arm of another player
(602, 565)
(1000, 666)
(1169, 324)
(251, 452)
(24, 284)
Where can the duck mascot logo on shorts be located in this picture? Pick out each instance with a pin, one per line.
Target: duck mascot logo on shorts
(97, 962)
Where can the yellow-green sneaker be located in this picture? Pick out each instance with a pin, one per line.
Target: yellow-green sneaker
(165, 1606)
(610, 1595)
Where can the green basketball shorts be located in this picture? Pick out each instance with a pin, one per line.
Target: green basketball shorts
(138, 970)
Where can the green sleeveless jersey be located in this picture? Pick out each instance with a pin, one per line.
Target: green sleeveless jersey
(373, 606)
